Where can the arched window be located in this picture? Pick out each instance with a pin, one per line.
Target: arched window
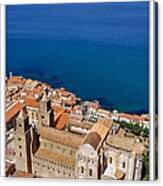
(90, 172)
(32, 115)
(110, 160)
(123, 164)
(82, 169)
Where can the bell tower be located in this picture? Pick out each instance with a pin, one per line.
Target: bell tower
(23, 142)
(45, 114)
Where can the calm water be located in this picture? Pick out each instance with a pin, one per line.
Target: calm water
(98, 51)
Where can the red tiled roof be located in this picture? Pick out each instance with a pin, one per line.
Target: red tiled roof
(58, 114)
(131, 117)
(124, 115)
(16, 79)
(61, 137)
(58, 109)
(13, 111)
(62, 121)
(31, 102)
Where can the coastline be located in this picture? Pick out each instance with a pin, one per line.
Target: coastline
(57, 83)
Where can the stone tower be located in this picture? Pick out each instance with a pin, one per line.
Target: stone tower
(23, 142)
(45, 113)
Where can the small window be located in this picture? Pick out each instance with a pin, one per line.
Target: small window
(110, 160)
(20, 125)
(20, 146)
(32, 115)
(19, 139)
(123, 165)
(82, 169)
(90, 172)
(20, 154)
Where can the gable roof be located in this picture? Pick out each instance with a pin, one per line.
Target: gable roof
(61, 137)
(93, 138)
(13, 111)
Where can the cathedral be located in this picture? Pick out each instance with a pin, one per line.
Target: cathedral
(44, 151)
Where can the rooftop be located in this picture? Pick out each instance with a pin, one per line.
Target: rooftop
(61, 137)
(93, 139)
(98, 133)
(102, 127)
(16, 80)
(62, 121)
(31, 102)
(13, 111)
(126, 143)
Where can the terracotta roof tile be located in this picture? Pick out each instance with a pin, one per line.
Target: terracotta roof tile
(16, 79)
(124, 115)
(13, 111)
(61, 137)
(31, 102)
(58, 115)
(126, 143)
(93, 138)
(62, 121)
(102, 127)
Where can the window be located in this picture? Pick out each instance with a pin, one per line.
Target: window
(20, 125)
(20, 154)
(123, 164)
(82, 169)
(20, 146)
(110, 160)
(90, 172)
(19, 139)
(33, 116)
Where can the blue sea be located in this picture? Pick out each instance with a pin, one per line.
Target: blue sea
(98, 51)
